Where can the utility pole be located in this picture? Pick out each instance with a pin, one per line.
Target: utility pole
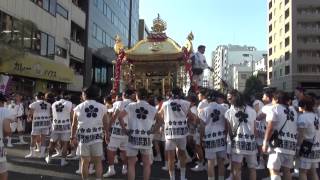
(130, 24)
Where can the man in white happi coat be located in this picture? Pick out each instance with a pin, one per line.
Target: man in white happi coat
(40, 115)
(17, 124)
(141, 120)
(199, 64)
(118, 139)
(61, 127)
(88, 126)
(175, 113)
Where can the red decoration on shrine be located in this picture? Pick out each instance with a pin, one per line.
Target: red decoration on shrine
(117, 75)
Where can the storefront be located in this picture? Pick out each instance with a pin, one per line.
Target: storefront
(32, 73)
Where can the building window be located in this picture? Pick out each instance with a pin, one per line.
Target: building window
(47, 45)
(270, 16)
(100, 75)
(287, 13)
(104, 35)
(33, 40)
(99, 34)
(270, 75)
(112, 17)
(243, 76)
(61, 52)
(48, 5)
(105, 9)
(96, 2)
(270, 39)
(270, 27)
(270, 63)
(284, 85)
(287, 70)
(270, 4)
(308, 68)
(287, 27)
(100, 5)
(287, 55)
(62, 11)
(97, 75)
(281, 72)
(286, 1)
(287, 41)
(109, 13)
(94, 30)
(270, 51)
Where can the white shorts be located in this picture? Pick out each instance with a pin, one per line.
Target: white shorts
(116, 143)
(214, 155)
(3, 167)
(172, 144)
(277, 160)
(250, 159)
(95, 149)
(40, 131)
(131, 152)
(60, 136)
(303, 164)
(16, 125)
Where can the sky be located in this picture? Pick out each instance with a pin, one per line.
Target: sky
(213, 22)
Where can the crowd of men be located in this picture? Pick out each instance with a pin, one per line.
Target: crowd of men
(270, 130)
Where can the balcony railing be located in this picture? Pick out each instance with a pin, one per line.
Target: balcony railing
(77, 50)
(78, 16)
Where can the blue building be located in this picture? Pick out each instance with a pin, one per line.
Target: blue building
(105, 20)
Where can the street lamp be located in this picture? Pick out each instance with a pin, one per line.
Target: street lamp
(247, 55)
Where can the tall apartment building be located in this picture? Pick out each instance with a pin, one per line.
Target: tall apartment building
(54, 49)
(294, 44)
(106, 19)
(226, 56)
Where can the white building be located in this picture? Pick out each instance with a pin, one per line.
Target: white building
(52, 48)
(240, 74)
(226, 56)
(261, 70)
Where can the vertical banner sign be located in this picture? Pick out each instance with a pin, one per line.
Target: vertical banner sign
(4, 81)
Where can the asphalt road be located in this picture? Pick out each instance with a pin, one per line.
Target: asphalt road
(36, 169)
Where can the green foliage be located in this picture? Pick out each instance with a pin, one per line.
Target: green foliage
(253, 86)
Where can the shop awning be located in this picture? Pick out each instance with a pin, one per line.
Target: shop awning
(37, 67)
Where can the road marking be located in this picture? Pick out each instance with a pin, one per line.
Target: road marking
(40, 172)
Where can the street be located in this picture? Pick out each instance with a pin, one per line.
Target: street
(37, 169)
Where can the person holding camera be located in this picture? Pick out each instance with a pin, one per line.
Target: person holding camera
(199, 64)
(281, 136)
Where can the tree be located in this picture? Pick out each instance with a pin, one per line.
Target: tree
(12, 42)
(253, 86)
